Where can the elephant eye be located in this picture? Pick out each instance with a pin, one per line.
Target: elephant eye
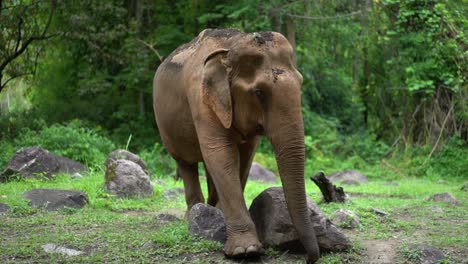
(260, 95)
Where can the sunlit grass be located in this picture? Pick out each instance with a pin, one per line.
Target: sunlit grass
(114, 229)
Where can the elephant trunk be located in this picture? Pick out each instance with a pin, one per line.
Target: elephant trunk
(288, 144)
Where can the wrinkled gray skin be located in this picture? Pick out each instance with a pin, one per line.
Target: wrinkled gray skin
(213, 99)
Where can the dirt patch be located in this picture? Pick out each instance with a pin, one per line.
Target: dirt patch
(380, 251)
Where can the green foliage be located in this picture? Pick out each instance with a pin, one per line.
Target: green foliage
(451, 160)
(175, 240)
(427, 25)
(412, 255)
(71, 140)
(99, 225)
(158, 160)
(375, 73)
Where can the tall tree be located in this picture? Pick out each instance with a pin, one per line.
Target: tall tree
(23, 24)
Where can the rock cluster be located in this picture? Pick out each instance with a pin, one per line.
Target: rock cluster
(38, 162)
(273, 223)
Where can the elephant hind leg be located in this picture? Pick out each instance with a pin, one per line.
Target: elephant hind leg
(213, 198)
(189, 175)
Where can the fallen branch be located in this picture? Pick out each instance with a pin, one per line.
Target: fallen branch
(152, 49)
(330, 192)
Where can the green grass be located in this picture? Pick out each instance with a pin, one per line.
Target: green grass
(111, 229)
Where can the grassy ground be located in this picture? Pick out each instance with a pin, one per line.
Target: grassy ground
(115, 230)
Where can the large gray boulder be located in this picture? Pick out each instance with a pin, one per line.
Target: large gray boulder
(53, 199)
(125, 178)
(258, 173)
(208, 222)
(36, 161)
(348, 177)
(274, 226)
(126, 155)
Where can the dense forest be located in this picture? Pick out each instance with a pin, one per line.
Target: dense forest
(384, 80)
(385, 108)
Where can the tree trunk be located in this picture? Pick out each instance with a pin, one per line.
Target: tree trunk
(275, 18)
(291, 33)
(330, 192)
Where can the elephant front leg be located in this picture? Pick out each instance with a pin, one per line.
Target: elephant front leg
(222, 161)
(246, 154)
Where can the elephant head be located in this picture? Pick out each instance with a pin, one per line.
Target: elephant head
(254, 88)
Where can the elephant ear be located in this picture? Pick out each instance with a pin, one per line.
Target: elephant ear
(215, 86)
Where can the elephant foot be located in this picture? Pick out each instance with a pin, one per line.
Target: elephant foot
(243, 245)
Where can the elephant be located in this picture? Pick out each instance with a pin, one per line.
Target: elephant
(213, 99)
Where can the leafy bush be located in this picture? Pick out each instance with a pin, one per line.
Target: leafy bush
(7, 150)
(451, 160)
(71, 140)
(158, 160)
(366, 146)
(12, 124)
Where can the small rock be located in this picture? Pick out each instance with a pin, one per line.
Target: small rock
(76, 175)
(274, 226)
(258, 173)
(52, 248)
(435, 209)
(443, 197)
(379, 212)
(125, 178)
(126, 155)
(148, 245)
(179, 213)
(164, 218)
(428, 255)
(158, 182)
(173, 193)
(349, 177)
(35, 161)
(4, 208)
(53, 199)
(208, 222)
(345, 219)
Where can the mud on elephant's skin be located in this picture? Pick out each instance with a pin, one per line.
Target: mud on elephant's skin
(213, 99)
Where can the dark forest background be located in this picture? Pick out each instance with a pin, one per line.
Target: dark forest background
(385, 80)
